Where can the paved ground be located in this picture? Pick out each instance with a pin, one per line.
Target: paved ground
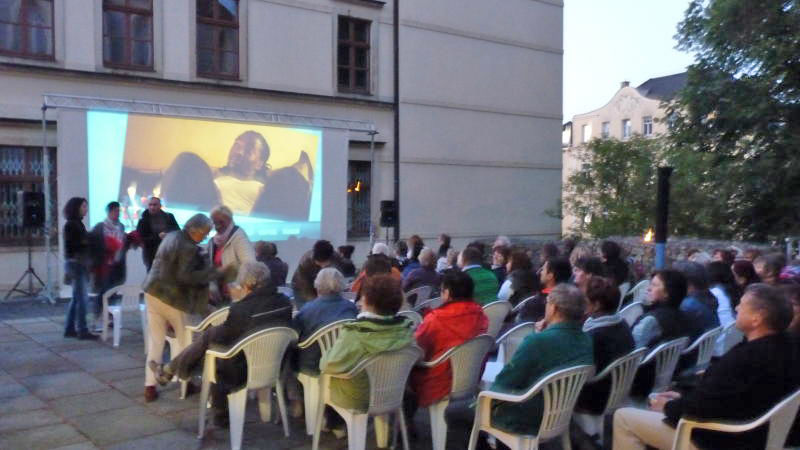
(69, 394)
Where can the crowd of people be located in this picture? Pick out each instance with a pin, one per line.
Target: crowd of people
(570, 294)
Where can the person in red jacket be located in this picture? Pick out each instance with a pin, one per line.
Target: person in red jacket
(458, 320)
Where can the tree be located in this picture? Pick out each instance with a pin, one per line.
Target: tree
(739, 114)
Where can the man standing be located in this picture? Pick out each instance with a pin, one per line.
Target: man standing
(152, 227)
(318, 258)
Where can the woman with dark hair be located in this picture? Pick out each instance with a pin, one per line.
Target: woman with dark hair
(500, 256)
(700, 306)
(521, 281)
(663, 320)
(444, 245)
(723, 287)
(415, 245)
(615, 267)
(744, 274)
(76, 254)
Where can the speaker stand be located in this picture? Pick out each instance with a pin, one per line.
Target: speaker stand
(29, 274)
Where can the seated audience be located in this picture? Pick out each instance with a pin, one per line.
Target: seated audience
(257, 305)
(615, 267)
(348, 268)
(486, 284)
(751, 254)
(723, 287)
(700, 306)
(316, 259)
(400, 254)
(501, 241)
(500, 257)
(744, 274)
(549, 251)
(267, 253)
(377, 329)
(698, 256)
(376, 263)
(742, 385)
(329, 307)
(586, 268)
(458, 320)
(444, 246)
(425, 274)
(554, 272)
(663, 320)
(768, 267)
(521, 281)
(792, 293)
(415, 246)
(611, 339)
(578, 253)
(560, 345)
(449, 262)
(724, 255)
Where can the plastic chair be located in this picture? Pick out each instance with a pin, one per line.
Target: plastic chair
(264, 350)
(497, 313)
(466, 364)
(705, 348)
(507, 345)
(217, 317)
(638, 292)
(521, 304)
(780, 419)
(419, 294)
(349, 295)
(131, 301)
(286, 290)
(731, 336)
(324, 338)
(432, 303)
(560, 391)
(413, 316)
(623, 291)
(632, 312)
(666, 358)
(387, 373)
(622, 372)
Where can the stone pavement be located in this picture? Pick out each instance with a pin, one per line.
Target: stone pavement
(69, 394)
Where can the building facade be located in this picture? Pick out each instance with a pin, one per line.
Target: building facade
(480, 100)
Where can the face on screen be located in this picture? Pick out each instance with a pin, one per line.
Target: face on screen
(245, 158)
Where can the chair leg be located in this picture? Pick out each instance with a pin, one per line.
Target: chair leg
(310, 402)
(201, 417)
(320, 410)
(438, 424)
(566, 444)
(117, 325)
(473, 435)
(357, 432)
(401, 418)
(382, 431)
(184, 389)
(104, 334)
(237, 401)
(264, 404)
(282, 407)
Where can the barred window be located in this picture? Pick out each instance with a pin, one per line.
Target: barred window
(26, 28)
(21, 170)
(358, 198)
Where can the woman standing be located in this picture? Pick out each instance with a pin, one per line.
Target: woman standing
(76, 254)
(228, 250)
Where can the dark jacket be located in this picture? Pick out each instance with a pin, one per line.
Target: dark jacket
(742, 385)
(611, 339)
(150, 239)
(303, 278)
(671, 325)
(533, 311)
(348, 268)
(524, 283)
(699, 316)
(76, 241)
(315, 315)
(180, 274)
(617, 269)
(422, 276)
(277, 269)
(500, 273)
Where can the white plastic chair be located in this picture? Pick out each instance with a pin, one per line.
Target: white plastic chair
(621, 372)
(638, 292)
(131, 301)
(666, 358)
(420, 294)
(413, 316)
(623, 291)
(507, 345)
(521, 304)
(349, 295)
(264, 350)
(560, 391)
(431, 303)
(705, 348)
(780, 419)
(217, 317)
(497, 313)
(286, 290)
(731, 336)
(466, 362)
(387, 373)
(632, 312)
(324, 338)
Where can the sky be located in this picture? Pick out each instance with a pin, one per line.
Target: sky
(608, 41)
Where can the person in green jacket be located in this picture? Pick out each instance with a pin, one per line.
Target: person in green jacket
(561, 344)
(486, 284)
(376, 329)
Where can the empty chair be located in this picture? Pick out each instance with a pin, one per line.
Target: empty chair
(264, 352)
(780, 419)
(387, 373)
(466, 362)
(704, 345)
(413, 316)
(560, 390)
(324, 338)
(507, 344)
(632, 312)
(497, 313)
(432, 303)
(131, 301)
(620, 374)
(418, 295)
(666, 358)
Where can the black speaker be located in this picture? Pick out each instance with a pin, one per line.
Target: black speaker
(388, 213)
(30, 209)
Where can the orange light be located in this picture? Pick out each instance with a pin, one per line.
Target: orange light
(358, 186)
(648, 237)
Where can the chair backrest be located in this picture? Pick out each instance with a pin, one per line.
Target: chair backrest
(286, 290)
(632, 312)
(388, 374)
(432, 303)
(622, 372)
(215, 318)
(497, 313)
(638, 292)
(326, 336)
(349, 295)
(131, 296)
(666, 358)
(705, 346)
(466, 363)
(560, 391)
(511, 339)
(264, 352)
(419, 294)
(521, 304)
(732, 337)
(413, 316)
(623, 291)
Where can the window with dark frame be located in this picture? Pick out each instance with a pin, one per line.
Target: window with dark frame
(353, 55)
(358, 198)
(26, 28)
(21, 170)
(218, 38)
(128, 34)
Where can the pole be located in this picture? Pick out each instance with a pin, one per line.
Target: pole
(397, 119)
(662, 215)
(371, 182)
(48, 286)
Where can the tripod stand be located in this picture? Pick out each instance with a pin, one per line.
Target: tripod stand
(29, 273)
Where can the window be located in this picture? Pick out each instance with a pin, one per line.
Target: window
(218, 38)
(358, 198)
(586, 133)
(605, 130)
(26, 28)
(647, 126)
(626, 128)
(21, 170)
(128, 34)
(353, 55)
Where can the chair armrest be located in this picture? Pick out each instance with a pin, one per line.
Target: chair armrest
(227, 354)
(494, 395)
(442, 358)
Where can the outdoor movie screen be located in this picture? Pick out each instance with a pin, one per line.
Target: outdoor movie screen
(269, 175)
